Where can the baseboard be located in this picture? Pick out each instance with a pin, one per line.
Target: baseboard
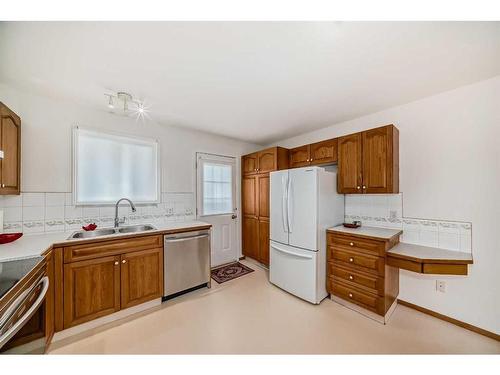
(448, 319)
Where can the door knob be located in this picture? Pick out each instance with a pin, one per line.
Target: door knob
(233, 216)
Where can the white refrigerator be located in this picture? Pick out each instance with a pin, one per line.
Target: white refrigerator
(304, 203)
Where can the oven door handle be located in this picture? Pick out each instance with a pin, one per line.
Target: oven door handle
(29, 313)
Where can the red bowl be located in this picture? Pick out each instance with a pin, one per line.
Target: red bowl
(9, 237)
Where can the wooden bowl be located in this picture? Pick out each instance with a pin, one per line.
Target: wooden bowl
(9, 237)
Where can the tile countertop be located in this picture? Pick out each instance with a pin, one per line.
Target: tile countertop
(369, 232)
(32, 245)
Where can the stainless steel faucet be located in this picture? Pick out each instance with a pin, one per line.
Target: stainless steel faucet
(117, 222)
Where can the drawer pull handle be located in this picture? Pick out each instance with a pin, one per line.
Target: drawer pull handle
(351, 243)
(351, 277)
(350, 295)
(351, 260)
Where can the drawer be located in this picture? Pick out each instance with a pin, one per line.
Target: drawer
(365, 281)
(110, 247)
(357, 261)
(361, 244)
(367, 300)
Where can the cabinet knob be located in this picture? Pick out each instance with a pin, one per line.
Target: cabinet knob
(116, 263)
(358, 187)
(350, 295)
(311, 159)
(351, 277)
(3, 185)
(351, 243)
(351, 260)
(124, 261)
(364, 187)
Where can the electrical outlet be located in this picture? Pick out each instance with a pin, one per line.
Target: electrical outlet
(440, 286)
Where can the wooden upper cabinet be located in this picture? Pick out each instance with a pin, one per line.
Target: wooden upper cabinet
(300, 156)
(141, 277)
(249, 163)
(268, 160)
(264, 191)
(249, 190)
(324, 152)
(10, 144)
(368, 162)
(381, 160)
(349, 173)
(91, 289)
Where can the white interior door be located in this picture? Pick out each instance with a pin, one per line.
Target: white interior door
(216, 204)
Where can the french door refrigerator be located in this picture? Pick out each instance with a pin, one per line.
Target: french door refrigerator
(304, 203)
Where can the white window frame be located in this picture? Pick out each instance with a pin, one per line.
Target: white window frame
(74, 171)
(227, 160)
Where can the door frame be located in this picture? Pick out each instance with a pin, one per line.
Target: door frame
(236, 192)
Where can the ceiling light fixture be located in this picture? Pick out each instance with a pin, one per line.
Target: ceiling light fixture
(128, 105)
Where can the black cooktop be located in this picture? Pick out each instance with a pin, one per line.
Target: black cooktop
(14, 270)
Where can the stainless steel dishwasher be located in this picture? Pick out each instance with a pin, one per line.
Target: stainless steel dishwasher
(186, 261)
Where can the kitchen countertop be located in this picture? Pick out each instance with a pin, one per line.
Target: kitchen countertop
(33, 245)
(369, 232)
(429, 254)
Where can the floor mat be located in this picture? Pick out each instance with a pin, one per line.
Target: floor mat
(229, 272)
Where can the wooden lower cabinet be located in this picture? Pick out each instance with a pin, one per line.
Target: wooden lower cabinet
(250, 243)
(91, 289)
(141, 277)
(358, 272)
(263, 242)
(103, 285)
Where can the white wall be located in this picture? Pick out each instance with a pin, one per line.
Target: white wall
(46, 142)
(449, 170)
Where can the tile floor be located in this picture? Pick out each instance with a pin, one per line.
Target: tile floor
(250, 316)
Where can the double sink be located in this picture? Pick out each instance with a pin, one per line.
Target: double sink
(111, 231)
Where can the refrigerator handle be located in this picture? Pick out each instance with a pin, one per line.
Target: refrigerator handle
(288, 197)
(284, 200)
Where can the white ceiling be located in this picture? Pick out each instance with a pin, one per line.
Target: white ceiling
(254, 81)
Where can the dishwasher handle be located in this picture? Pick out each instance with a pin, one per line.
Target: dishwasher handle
(185, 238)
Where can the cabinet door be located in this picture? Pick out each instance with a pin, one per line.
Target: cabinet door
(299, 156)
(324, 152)
(91, 289)
(349, 164)
(249, 163)
(250, 237)
(267, 160)
(249, 190)
(263, 196)
(264, 241)
(380, 164)
(141, 277)
(10, 139)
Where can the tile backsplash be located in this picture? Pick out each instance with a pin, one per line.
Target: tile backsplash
(55, 212)
(386, 210)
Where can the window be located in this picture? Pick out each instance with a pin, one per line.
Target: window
(107, 167)
(217, 185)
